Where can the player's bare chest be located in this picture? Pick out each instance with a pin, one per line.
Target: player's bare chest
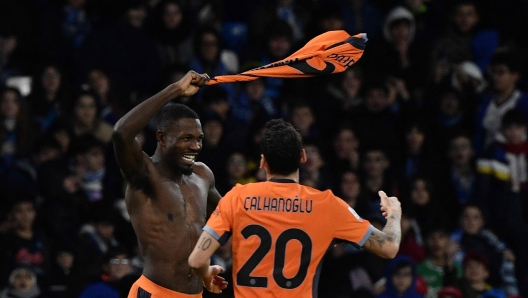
(184, 201)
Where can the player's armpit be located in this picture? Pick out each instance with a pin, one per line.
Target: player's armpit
(383, 243)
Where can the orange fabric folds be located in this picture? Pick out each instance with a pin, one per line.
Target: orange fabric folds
(328, 53)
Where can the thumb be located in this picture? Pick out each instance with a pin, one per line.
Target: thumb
(383, 197)
(217, 269)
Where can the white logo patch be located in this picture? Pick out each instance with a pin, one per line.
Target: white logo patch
(355, 214)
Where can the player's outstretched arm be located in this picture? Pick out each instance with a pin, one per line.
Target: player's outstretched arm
(128, 151)
(199, 261)
(386, 243)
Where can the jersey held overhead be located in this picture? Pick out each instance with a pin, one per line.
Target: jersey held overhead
(280, 232)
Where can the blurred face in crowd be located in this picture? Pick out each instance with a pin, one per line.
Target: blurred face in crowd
(77, 4)
(351, 82)
(172, 15)
(302, 118)
(332, 23)
(255, 89)
(51, 80)
(375, 163)
(515, 133)
(345, 143)
(64, 139)
(95, 159)
(400, 31)
(65, 259)
(99, 82)
(402, 279)
(209, 47)
(414, 5)
(213, 131)
(105, 229)
(503, 78)
(472, 220)
(419, 193)
(450, 105)
(350, 187)
(24, 215)
(136, 16)
(437, 243)
(236, 166)
(466, 17)
(8, 44)
(10, 104)
(118, 267)
(460, 151)
(377, 100)
(279, 46)
(415, 139)
(314, 161)
(23, 280)
(86, 110)
(475, 271)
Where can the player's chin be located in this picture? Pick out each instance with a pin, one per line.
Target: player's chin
(187, 169)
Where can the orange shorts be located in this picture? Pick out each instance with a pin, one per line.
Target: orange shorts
(144, 288)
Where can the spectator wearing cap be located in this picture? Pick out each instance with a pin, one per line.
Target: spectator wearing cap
(117, 265)
(505, 72)
(22, 284)
(474, 284)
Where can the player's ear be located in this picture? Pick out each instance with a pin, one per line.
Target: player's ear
(160, 136)
(303, 156)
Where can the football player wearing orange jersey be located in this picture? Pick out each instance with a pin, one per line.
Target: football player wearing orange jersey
(281, 230)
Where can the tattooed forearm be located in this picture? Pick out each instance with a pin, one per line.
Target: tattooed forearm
(386, 242)
(204, 245)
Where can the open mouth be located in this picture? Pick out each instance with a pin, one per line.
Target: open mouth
(189, 158)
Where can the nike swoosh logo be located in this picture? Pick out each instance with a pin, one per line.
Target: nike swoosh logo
(306, 68)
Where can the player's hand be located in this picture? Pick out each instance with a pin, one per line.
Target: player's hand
(190, 83)
(214, 283)
(389, 205)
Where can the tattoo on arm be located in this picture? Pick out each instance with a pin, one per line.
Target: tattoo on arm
(391, 233)
(204, 245)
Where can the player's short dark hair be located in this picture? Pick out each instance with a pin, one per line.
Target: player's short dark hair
(282, 147)
(513, 117)
(172, 113)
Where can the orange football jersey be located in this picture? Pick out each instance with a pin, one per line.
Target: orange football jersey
(280, 232)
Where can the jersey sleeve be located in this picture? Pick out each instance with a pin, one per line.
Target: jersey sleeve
(220, 223)
(349, 225)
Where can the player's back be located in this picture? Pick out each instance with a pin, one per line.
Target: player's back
(280, 232)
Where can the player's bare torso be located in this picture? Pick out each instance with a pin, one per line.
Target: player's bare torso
(168, 217)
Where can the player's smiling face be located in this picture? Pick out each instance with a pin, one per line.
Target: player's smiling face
(184, 142)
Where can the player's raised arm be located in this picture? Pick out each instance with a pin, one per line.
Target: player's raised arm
(386, 243)
(128, 152)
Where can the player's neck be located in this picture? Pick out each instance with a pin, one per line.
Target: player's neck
(293, 176)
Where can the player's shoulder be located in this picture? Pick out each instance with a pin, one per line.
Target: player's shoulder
(202, 170)
(316, 192)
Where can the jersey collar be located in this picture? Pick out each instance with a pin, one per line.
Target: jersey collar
(282, 180)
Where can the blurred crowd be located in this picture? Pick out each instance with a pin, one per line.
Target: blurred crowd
(435, 112)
